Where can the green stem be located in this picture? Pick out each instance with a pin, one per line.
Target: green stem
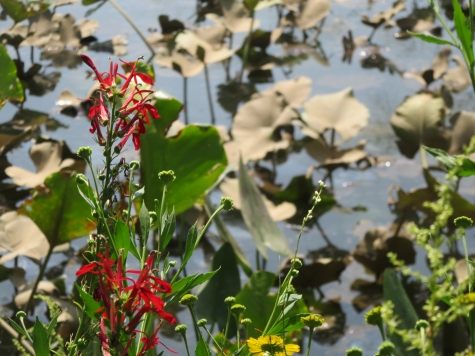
(82, 323)
(309, 345)
(199, 336)
(132, 23)
(210, 100)
(39, 278)
(381, 330)
(423, 157)
(467, 261)
(214, 340)
(186, 345)
(227, 327)
(238, 336)
(185, 90)
(423, 341)
(246, 48)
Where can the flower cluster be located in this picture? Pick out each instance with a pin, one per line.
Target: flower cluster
(125, 301)
(131, 108)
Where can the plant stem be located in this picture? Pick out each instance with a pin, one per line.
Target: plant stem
(381, 330)
(214, 340)
(246, 48)
(423, 341)
(210, 100)
(15, 335)
(39, 278)
(238, 337)
(467, 261)
(423, 157)
(185, 90)
(186, 345)
(227, 326)
(132, 23)
(309, 345)
(198, 334)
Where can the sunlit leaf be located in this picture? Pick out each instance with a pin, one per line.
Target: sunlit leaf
(10, 86)
(19, 10)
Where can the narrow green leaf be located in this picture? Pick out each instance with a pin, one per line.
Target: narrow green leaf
(184, 285)
(191, 239)
(52, 325)
(19, 328)
(137, 194)
(263, 229)
(91, 305)
(40, 339)
(121, 237)
(463, 31)
(431, 39)
(394, 291)
(168, 228)
(466, 167)
(144, 218)
(86, 198)
(288, 324)
(250, 4)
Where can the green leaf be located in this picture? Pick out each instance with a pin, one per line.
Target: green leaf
(210, 304)
(90, 2)
(465, 164)
(226, 236)
(263, 229)
(463, 31)
(259, 304)
(191, 239)
(20, 11)
(288, 324)
(19, 329)
(250, 4)
(168, 228)
(91, 306)
(431, 39)
(202, 348)
(184, 285)
(10, 86)
(52, 325)
(137, 194)
(59, 210)
(144, 218)
(40, 339)
(394, 291)
(195, 154)
(122, 238)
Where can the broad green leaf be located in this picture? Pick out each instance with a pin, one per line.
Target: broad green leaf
(19, 11)
(226, 236)
(210, 304)
(40, 339)
(91, 306)
(184, 285)
(463, 31)
(465, 164)
(263, 229)
(202, 348)
(394, 291)
(288, 324)
(10, 86)
(122, 238)
(59, 210)
(431, 39)
(195, 154)
(259, 304)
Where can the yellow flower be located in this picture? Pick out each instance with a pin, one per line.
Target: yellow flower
(271, 345)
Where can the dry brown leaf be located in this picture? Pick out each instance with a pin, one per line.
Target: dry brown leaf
(41, 30)
(294, 91)
(20, 236)
(339, 111)
(463, 123)
(230, 188)
(457, 79)
(332, 156)
(47, 159)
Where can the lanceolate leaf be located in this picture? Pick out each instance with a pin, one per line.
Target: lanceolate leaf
(263, 229)
(59, 210)
(184, 285)
(463, 31)
(10, 86)
(465, 164)
(40, 339)
(431, 39)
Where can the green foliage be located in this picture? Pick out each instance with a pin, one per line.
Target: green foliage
(59, 210)
(465, 166)
(10, 86)
(195, 154)
(19, 11)
(40, 339)
(431, 39)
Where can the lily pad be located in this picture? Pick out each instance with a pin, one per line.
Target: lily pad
(308, 15)
(457, 79)
(59, 210)
(463, 130)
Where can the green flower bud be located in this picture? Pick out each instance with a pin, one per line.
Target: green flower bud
(422, 324)
(386, 348)
(94, 213)
(188, 299)
(312, 320)
(230, 300)
(201, 322)
(296, 263)
(246, 321)
(373, 317)
(153, 216)
(354, 351)
(81, 179)
(85, 152)
(134, 165)
(181, 329)
(238, 309)
(294, 273)
(166, 176)
(468, 298)
(227, 203)
(172, 263)
(21, 314)
(102, 176)
(463, 222)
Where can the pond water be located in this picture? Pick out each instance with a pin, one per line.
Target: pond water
(379, 90)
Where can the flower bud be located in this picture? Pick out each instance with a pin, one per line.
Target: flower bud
(201, 322)
(21, 314)
(227, 203)
(294, 273)
(246, 321)
(102, 176)
(312, 320)
(296, 263)
(181, 329)
(238, 309)
(230, 300)
(463, 222)
(153, 216)
(172, 263)
(85, 152)
(81, 179)
(166, 176)
(354, 351)
(134, 165)
(373, 317)
(188, 299)
(422, 324)
(386, 348)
